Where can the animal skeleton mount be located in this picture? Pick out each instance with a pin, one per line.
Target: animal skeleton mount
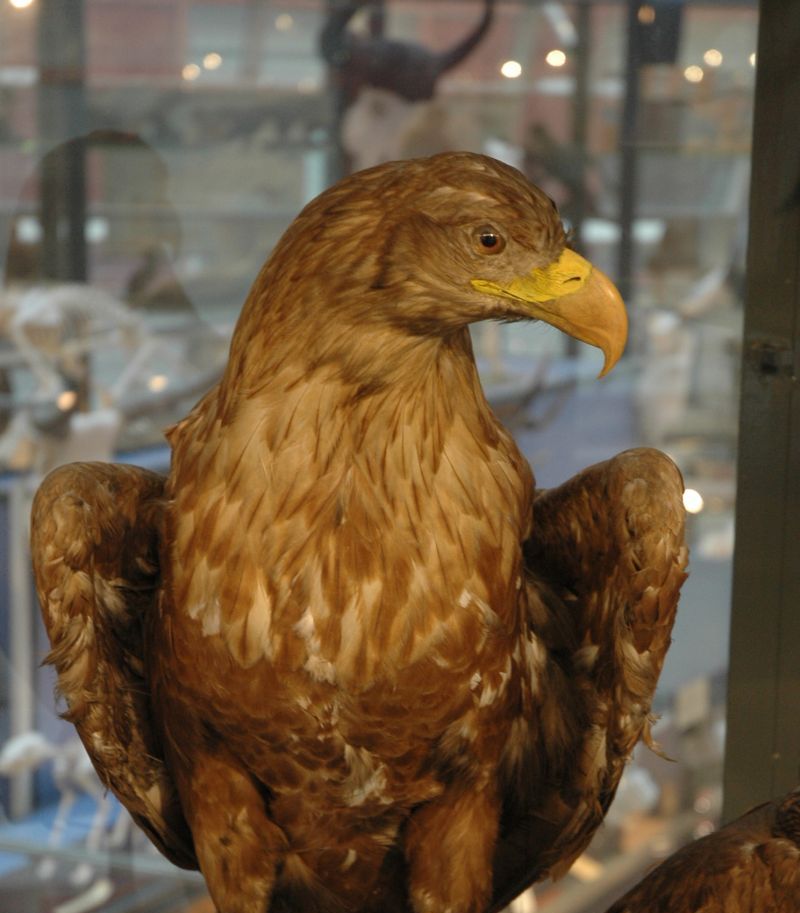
(73, 775)
(59, 333)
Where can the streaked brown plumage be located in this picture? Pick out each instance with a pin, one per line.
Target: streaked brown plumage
(368, 667)
(751, 865)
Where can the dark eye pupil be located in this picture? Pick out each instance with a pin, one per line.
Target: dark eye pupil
(489, 240)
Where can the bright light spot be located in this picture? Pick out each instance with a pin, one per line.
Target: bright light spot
(702, 805)
(693, 73)
(587, 869)
(693, 501)
(524, 903)
(190, 72)
(21, 4)
(556, 58)
(97, 230)
(284, 22)
(703, 829)
(158, 382)
(646, 14)
(28, 230)
(753, 59)
(66, 400)
(212, 61)
(713, 57)
(511, 69)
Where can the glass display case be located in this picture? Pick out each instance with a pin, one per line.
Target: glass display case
(151, 155)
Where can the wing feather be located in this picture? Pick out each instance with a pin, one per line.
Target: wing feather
(606, 560)
(94, 545)
(748, 866)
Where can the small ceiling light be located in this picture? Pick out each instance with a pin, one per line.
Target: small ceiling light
(753, 59)
(556, 58)
(284, 22)
(21, 4)
(158, 382)
(713, 57)
(511, 69)
(693, 73)
(190, 72)
(212, 61)
(28, 230)
(646, 14)
(66, 400)
(97, 230)
(693, 501)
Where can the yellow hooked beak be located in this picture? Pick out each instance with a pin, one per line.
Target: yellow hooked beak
(575, 297)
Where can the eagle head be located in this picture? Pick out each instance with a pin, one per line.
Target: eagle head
(428, 246)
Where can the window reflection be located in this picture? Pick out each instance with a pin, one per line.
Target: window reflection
(144, 178)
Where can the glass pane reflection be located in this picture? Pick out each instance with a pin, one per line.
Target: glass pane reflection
(147, 166)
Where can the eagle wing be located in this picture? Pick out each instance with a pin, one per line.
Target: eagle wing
(94, 545)
(606, 561)
(748, 866)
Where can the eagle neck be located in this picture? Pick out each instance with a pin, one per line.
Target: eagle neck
(431, 387)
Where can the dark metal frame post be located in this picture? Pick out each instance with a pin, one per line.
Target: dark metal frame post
(763, 736)
(629, 155)
(62, 117)
(580, 109)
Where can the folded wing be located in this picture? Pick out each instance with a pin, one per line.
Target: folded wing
(606, 561)
(94, 545)
(749, 866)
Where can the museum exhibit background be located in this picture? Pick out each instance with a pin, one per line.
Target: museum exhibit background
(151, 156)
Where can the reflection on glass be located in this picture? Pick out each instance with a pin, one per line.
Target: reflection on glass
(511, 69)
(556, 58)
(204, 128)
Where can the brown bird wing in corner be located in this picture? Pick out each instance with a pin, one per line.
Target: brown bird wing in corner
(749, 866)
(606, 561)
(94, 546)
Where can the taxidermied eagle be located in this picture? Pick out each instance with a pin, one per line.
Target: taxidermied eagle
(345, 657)
(751, 865)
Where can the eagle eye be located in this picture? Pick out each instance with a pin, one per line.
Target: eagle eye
(488, 240)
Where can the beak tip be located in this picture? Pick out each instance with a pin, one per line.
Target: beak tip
(609, 363)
